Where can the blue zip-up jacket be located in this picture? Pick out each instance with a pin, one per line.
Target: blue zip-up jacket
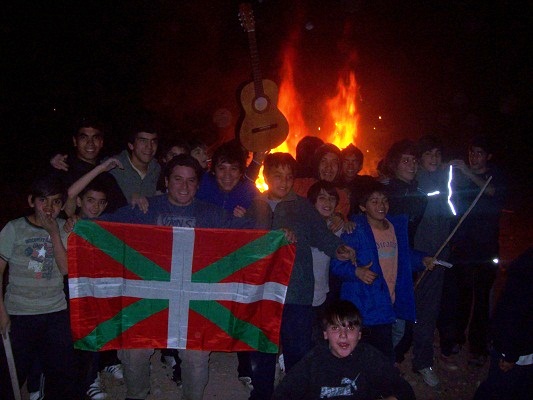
(241, 195)
(374, 300)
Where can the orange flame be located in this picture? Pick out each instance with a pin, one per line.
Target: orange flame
(340, 111)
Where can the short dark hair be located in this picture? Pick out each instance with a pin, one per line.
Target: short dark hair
(184, 160)
(428, 143)
(174, 143)
(366, 189)
(88, 121)
(328, 187)
(48, 185)
(196, 143)
(394, 155)
(275, 160)
(341, 312)
(351, 150)
(96, 185)
(306, 147)
(230, 152)
(483, 142)
(144, 122)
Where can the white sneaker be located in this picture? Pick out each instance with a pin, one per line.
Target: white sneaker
(247, 382)
(169, 360)
(281, 362)
(115, 370)
(95, 391)
(36, 396)
(429, 376)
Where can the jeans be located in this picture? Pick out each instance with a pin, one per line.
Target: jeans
(136, 369)
(46, 337)
(194, 372)
(244, 367)
(380, 336)
(474, 283)
(296, 330)
(447, 319)
(427, 299)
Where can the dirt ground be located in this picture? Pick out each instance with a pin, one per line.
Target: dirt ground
(224, 385)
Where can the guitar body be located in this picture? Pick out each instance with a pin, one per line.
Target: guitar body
(264, 127)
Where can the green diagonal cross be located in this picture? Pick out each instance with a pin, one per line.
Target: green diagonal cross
(120, 323)
(233, 326)
(248, 254)
(115, 248)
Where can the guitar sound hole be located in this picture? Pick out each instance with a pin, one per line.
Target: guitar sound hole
(261, 104)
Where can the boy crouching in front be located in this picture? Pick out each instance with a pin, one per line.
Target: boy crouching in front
(344, 368)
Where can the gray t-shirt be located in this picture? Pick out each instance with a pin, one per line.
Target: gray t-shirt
(35, 282)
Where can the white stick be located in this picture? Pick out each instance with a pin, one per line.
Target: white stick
(11, 365)
(456, 227)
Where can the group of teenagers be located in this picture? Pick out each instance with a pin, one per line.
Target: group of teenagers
(352, 308)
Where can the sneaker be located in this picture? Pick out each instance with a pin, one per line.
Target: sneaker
(95, 391)
(246, 381)
(429, 376)
(168, 360)
(477, 360)
(115, 370)
(448, 363)
(36, 396)
(39, 394)
(281, 363)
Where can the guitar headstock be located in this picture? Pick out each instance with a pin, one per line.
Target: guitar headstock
(246, 16)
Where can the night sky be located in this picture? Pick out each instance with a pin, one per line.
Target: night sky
(453, 68)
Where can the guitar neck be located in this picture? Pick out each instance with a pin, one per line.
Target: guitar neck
(256, 71)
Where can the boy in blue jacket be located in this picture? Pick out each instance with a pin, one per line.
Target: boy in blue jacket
(381, 285)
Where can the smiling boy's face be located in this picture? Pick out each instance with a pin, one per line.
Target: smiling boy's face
(342, 338)
(88, 143)
(406, 168)
(47, 205)
(325, 203)
(279, 180)
(431, 160)
(376, 207)
(182, 185)
(92, 204)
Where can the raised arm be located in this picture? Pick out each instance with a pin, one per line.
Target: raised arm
(478, 180)
(77, 187)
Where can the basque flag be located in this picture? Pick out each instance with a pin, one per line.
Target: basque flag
(147, 286)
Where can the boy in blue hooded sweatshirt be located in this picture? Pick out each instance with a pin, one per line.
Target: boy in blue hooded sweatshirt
(381, 284)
